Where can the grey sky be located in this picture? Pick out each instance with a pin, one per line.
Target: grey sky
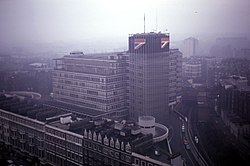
(78, 20)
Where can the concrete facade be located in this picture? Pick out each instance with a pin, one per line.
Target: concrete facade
(97, 81)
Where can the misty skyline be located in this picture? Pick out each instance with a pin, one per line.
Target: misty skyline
(88, 20)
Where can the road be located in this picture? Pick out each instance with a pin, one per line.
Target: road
(177, 143)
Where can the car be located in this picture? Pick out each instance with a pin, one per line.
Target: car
(183, 128)
(10, 162)
(185, 141)
(180, 118)
(187, 146)
(196, 139)
(157, 153)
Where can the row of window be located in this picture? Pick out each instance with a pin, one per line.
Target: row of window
(139, 162)
(106, 141)
(92, 92)
(20, 131)
(59, 160)
(95, 99)
(84, 78)
(62, 135)
(28, 147)
(20, 120)
(108, 156)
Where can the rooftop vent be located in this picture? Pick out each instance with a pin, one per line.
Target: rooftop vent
(76, 53)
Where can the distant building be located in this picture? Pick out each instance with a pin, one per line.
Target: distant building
(31, 77)
(98, 82)
(233, 42)
(190, 47)
(243, 53)
(227, 47)
(201, 70)
(233, 66)
(192, 69)
(203, 109)
(234, 104)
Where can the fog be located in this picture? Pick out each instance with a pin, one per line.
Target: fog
(26, 21)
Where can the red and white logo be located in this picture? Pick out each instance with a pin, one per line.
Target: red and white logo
(138, 43)
(164, 41)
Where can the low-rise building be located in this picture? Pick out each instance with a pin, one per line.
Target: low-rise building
(49, 135)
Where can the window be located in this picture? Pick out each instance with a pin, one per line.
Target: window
(111, 142)
(128, 159)
(85, 152)
(137, 161)
(105, 151)
(117, 155)
(85, 144)
(90, 145)
(143, 163)
(117, 144)
(111, 153)
(94, 146)
(105, 140)
(92, 92)
(128, 147)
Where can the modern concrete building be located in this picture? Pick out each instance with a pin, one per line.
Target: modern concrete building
(98, 82)
(149, 74)
(192, 69)
(155, 75)
(175, 78)
(149, 70)
(190, 47)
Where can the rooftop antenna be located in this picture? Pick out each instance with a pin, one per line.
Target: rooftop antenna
(144, 22)
(156, 23)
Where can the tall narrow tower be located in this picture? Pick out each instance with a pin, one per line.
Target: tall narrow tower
(148, 54)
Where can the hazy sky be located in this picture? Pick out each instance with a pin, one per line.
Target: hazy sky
(78, 20)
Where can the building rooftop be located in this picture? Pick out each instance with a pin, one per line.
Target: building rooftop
(149, 34)
(27, 108)
(75, 109)
(127, 132)
(237, 82)
(97, 56)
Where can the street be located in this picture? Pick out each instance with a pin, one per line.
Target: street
(177, 140)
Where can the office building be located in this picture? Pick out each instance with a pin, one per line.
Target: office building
(97, 82)
(192, 69)
(190, 47)
(175, 78)
(149, 74)
(149, 70)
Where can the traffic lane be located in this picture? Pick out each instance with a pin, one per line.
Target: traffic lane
(176, 143)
